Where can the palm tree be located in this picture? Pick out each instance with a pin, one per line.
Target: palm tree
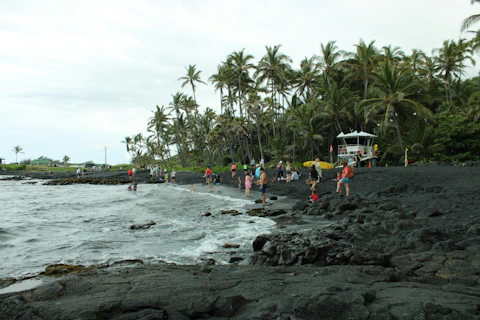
(306, 77)
(192, 76)
(17, 150)
(395, 96)
(273, 68)
(241, 65)
(336, 107)
(363, 62)
(450, 63)
(219, 80)
(329, 59)
(65, 160)
(159, 127)
(470, 20)
(128, 144)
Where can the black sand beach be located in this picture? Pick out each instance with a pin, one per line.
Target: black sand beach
(404, 245)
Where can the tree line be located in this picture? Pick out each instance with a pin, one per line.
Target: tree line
(274, 110)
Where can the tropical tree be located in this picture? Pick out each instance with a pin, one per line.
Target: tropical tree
(128, 141)
(395, 96)
(65, 160)
(468, 22)
(17, 150)
(329, 59)
(191, 77)
(219, 80)
(241, 65)
(363, 61)
(306, 77)
(159, 127)
(450, 63)
(273, 68)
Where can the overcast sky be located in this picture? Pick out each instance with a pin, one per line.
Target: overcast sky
(79, 76)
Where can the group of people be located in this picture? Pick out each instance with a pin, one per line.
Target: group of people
(210, 179)
(163, 175)
(291, 175)
(343, 179)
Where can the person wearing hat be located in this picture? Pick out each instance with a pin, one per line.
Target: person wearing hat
(280, 170)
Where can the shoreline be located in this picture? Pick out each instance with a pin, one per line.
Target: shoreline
(405, 244)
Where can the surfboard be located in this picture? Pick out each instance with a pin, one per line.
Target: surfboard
(323, 164)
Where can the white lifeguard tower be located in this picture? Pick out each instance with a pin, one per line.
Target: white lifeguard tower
(351, 143)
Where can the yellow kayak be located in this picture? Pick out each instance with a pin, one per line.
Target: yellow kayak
(323, 164)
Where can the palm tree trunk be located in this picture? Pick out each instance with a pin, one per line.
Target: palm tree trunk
(400, 140)
(259, 135)
(240, 95)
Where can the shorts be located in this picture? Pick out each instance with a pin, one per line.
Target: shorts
(217, 184)
(234, 170)
(264, 188)
(207, 176)
(345, 180)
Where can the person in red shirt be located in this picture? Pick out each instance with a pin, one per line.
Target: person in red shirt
(313, 196)
(234, 170)
(345, 180)
(130, 173)
(208, 174)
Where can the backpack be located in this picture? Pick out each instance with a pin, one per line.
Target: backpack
(351, 173)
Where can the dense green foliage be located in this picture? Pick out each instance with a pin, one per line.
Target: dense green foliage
(272, 110)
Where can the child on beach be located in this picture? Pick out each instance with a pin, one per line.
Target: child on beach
(248, 184)
(313, 196)
(239, 183)
(130, 186)
(217, 181)
(339, 176)
(192, 187)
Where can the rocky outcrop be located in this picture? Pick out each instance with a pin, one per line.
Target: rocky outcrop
(238, 293)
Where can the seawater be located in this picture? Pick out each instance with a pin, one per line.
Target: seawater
(90, 224)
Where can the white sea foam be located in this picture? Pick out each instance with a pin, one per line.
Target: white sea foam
(88, 224)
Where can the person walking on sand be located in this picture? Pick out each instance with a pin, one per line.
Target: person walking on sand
(248, 184)
(345, 180)
(263, 185)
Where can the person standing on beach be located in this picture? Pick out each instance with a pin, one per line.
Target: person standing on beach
(279, 170)
(217, 181)
(262, 163)
(257, 172)
(79, 172)
(248, 184)
(253, 162)
(263, 185)
(318, 168)
(174, 173)
(134, 171)
(234, 170)
(358, 159)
